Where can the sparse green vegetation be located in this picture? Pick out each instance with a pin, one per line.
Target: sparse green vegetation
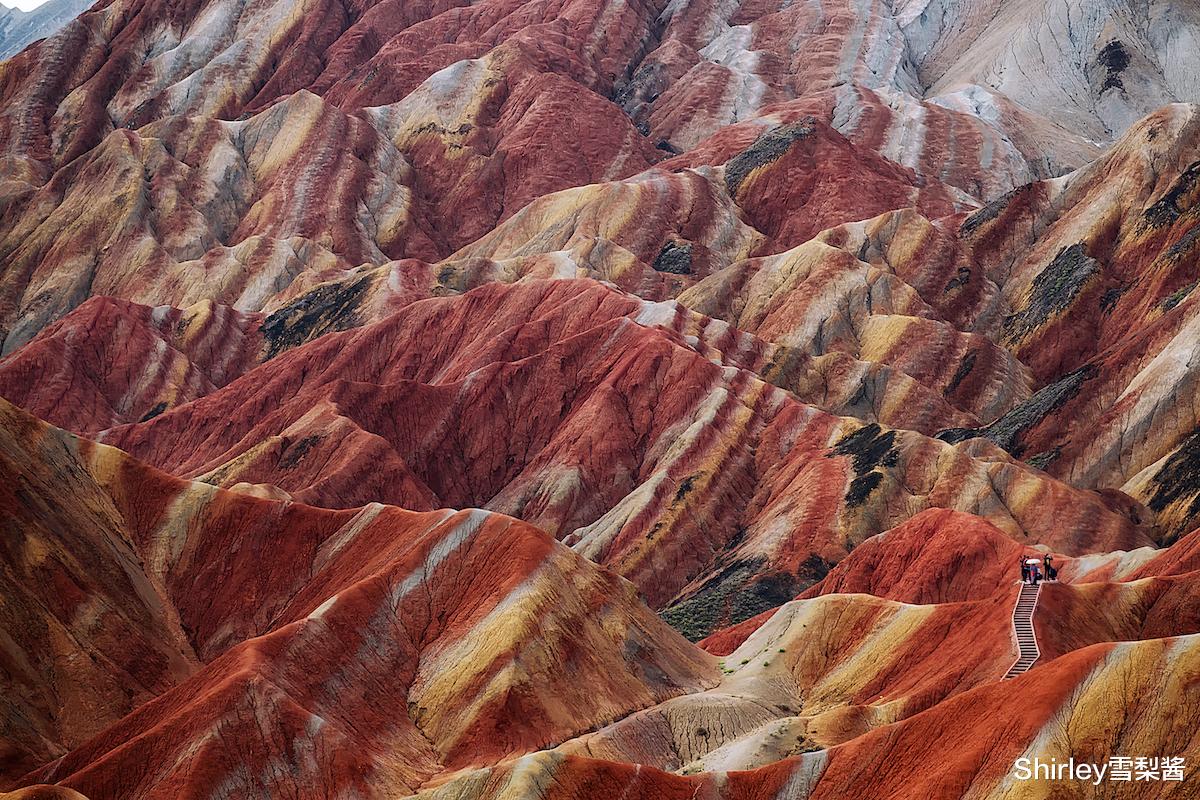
(1178, 297)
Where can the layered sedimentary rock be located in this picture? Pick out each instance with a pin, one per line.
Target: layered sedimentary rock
(111, 361)
(88, 635)
(209, 181)
(828, 675)
(976, 141)
(444, 368)
(807, 695)
(1094, 68)
(1058, 712)
(238, 212)
(18, 28)
(479, 126)
(1100, 312)
(197, 213)
(141, 580)
(641, 434)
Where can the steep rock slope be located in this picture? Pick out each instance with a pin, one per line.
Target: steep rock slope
(827, 676)
(183, 130)
(112, 361)
(18, 28)
(235, 212)
(947, 139)
(808, 319)
(649, 445)
(1072, 297)
(130, 102)
(1094, 67)
(1111, 277)
(88, 635)
(468, 607)
(938, 556)
(840, 674)
(137, 61)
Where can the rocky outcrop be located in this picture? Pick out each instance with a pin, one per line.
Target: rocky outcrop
(743, 490)
(826, 677)
(975, 141)
(1092, 68)
(111, 362)
(18, 28)
(446, 367)
(123, 582)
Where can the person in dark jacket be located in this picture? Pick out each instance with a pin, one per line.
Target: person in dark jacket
(1049, 570)
(1024, 570)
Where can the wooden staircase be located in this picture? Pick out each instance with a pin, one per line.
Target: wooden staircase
(1027, 646)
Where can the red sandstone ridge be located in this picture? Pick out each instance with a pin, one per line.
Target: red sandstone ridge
(610, 423)
(938, 556)
(942, 140)
(111, 361)
(510, 598)
(469, 614)
(796, 179)
(444, 368)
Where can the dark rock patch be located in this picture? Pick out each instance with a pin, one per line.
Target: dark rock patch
(159, 408)
(1178, 296)
(861, 487)
(869, 447)
(1167, 209)
(864, 249)
(770, 590)
(327, 308)
(1110, 298)
(1045, 458)
(768, 147)
(738, 592)
(1179, 478)
(1115, 59)
(956, 435)
(1053, 290)
(961, 278)
(685, 487)
(294, 454)
(814, 569)
(1185, 244)
(674, 258)
(738, 537)
(964, 369)
(860, 395)
(986, 214)
(1006, 431)
(640, 91)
